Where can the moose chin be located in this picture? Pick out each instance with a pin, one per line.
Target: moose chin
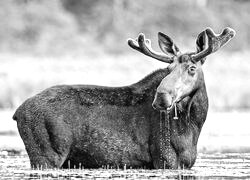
(154, 123)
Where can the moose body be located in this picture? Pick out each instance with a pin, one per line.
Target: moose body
(92, 126)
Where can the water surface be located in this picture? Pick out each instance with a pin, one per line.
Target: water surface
(15, 165)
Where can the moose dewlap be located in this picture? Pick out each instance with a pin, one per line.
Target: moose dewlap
(91, 126)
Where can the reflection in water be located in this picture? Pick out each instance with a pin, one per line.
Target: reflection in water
(219, 166)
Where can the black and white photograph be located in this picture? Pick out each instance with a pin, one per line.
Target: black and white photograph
(124, 89)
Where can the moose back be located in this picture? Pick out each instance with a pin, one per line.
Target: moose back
(92, 126)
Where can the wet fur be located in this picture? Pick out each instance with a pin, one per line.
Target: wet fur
(91, 126)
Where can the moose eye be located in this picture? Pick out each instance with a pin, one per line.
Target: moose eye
(191, 70)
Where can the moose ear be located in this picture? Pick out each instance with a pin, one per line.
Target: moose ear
(166, 44)
(201, 44)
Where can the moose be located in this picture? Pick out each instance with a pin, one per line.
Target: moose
(67, 126)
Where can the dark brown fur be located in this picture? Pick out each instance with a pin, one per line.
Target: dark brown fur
(92, 126)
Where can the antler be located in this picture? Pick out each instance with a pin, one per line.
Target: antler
(144, 46)
(215, 42)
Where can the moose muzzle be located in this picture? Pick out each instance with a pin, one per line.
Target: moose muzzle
(162, 101)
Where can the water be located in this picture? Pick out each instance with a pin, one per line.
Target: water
(15, 165)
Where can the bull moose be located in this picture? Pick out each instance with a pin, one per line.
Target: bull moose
(68, 126)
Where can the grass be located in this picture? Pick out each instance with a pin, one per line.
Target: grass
(227, 75)
(220, 166)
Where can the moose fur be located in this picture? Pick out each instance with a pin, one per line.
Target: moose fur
(94, 126)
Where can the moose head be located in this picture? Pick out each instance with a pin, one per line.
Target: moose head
(186, 74)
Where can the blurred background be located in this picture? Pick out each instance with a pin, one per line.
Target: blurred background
(49, 42)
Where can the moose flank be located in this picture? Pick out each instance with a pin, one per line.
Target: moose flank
(90, 126)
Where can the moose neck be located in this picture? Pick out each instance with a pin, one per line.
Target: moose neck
(191, 112)
(182, 133)
(149, 84)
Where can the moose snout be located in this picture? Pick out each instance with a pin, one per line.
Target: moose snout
(162, 101)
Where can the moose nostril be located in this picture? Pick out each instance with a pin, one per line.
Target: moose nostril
(159, 106)
(162, 101)
(162, 104)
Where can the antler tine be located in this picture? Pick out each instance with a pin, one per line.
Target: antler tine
(215, 42)
(144, 46)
